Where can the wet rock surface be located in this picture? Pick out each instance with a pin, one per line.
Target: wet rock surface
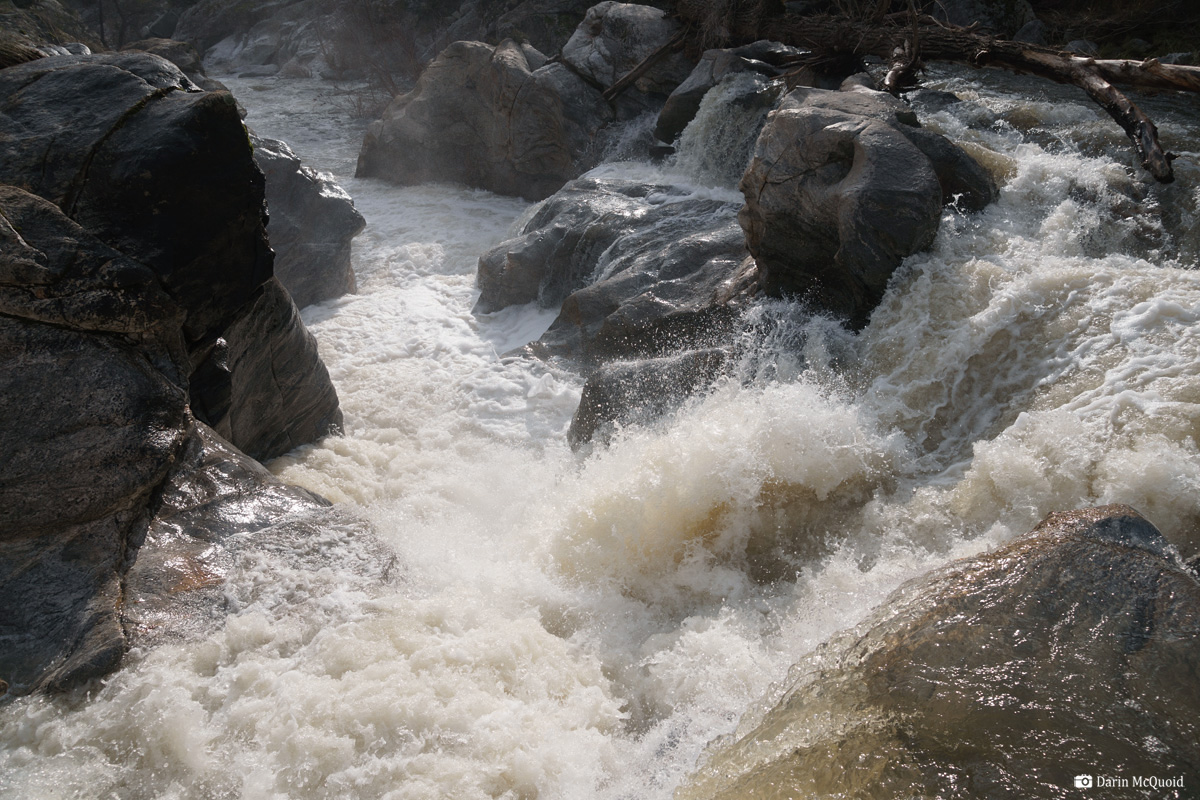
(491, 117)
(312, 222)
(640, 269)
(841, 188)
(639, 392)
(1063, 653)
(764, 58)
(134, 273)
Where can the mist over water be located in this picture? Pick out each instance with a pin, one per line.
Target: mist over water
(561, 626)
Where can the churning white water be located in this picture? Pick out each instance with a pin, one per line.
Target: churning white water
(565, 627)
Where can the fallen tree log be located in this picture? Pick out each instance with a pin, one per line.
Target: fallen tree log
(906, 41)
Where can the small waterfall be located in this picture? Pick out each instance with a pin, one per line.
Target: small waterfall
(714, 148)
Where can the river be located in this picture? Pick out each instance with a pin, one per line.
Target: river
(564, 626)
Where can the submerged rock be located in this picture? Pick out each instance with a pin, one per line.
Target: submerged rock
(312, 222)
(640, 269)
(637, 392)
(1074, 650)
(841, 188)
(486, 117)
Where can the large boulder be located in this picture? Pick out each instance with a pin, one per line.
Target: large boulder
(134, 278)
(312, 222)
(842, 187)
(615, 38)
(91, 415)
(639, 269)
(492, 117)
(1073, 651)
(164, 173)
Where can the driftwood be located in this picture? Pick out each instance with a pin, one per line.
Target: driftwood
(906, 41)
(641, 69)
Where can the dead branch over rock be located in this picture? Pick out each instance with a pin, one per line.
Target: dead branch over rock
(906, 41)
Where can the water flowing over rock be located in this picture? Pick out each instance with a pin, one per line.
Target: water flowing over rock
(491, 117)
(841, 188)
(134, 274)
(1064, 653)
(640, 269)
(312, 222)
(763, 58)
(637, 392)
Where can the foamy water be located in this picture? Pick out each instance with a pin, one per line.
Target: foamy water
(563, 627)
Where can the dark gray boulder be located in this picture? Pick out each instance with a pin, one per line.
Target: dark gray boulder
(639, 392)
(640, 269)
(312, 222)
(486, 117)
(91, 415)
(841, 188)
(1073, 650)
(763, 57)
(164, 173)
(1000, 17)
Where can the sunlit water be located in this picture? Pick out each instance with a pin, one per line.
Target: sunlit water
(565, 627)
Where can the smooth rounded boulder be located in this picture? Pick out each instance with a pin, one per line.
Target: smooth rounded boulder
(491, 117)
(841, 188)
(1072, 651)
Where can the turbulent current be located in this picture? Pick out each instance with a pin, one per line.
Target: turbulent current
(562, 626)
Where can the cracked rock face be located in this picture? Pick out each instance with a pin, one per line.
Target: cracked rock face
(135, 280)
(1072, 650)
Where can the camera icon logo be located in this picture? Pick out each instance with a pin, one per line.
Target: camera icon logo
(1083, 781)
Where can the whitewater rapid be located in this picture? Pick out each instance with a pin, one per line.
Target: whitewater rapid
(561, 626)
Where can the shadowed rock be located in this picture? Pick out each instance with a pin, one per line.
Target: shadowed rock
(484, 116)
(312, 222)
(163, 173)
(1071, 651)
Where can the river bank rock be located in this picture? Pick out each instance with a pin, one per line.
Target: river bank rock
(312, 222)
(170, 181)
(842, 187)
(134, 277)
(1071, 651)
(641, 270)
(491, 117)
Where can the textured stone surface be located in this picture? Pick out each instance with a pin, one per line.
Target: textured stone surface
(134, 272)
(91, 416)
(613, 39)
(480, 115)
(841, 188)
(1073, 650)
(312, 222)
(640, 269)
